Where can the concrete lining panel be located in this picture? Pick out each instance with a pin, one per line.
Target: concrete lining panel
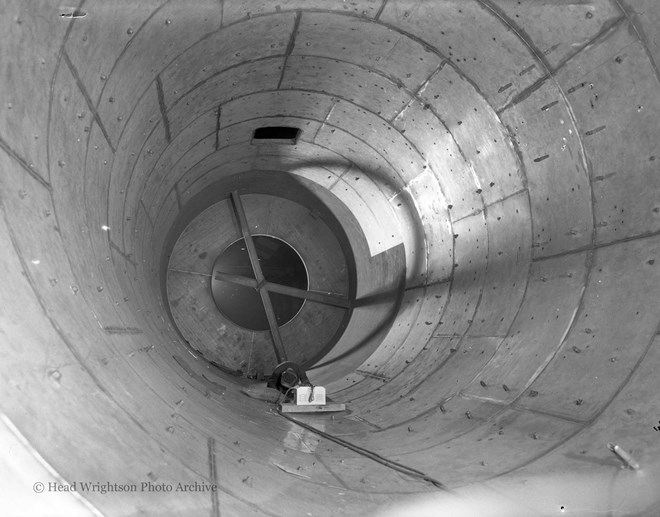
(42, 249)
(437, 232)
(147, 56)
(609, 335)
(369, 44)
(449, 420)
(408, 313)
(95, 201)
(346, 81)
(98, 152)
(235, 11)
(363, 156)
(433, 300)
(65, 421)
(29, 60)
(544, 131)
(93, 45)
(441, 25)
(203, 173)
(462, 365)
(69, 125)
(525, 351)
(378, 134)
(379, 282)
(470, 259)
(379, 238)
(225, 49)
(576, 26)
(611, 98)
(306, 105)
(478, 132)
(523, 434)
(241, 80)
(181, 155)
(146, 160)
(368, 190)
(385, 381)
(71, 312)
(436, 144)
(129, 151)
(414, 241)
(644, 18)
(509, 255)
(167, 213)
(627, 420)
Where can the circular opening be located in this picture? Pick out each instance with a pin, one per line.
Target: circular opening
(243, 305)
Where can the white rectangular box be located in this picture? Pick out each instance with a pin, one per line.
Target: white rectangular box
(302, 396)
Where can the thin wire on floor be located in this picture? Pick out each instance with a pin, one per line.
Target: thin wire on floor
(409, 471)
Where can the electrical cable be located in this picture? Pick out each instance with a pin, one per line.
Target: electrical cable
(409, 471)
(286, 394)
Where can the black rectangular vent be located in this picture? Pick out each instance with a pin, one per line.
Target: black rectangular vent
(278, 134)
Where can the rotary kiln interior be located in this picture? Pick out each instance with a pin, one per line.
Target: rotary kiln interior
(478, 178)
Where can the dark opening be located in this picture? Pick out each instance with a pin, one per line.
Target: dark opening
(280, 264)
(289, 134)
(73, 13)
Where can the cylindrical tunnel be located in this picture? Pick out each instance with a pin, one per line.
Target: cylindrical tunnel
(463, 197)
